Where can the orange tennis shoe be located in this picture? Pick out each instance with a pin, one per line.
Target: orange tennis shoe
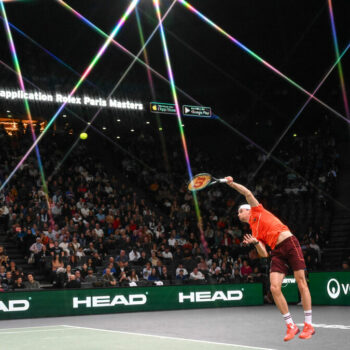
(307, 332)
(292, 331)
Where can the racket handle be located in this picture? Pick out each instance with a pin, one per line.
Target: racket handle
(222, 180)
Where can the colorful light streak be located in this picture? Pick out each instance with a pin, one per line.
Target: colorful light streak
(84, 121)
(88, 70)
(258, 58)
(179, 119)
(102, 33)
(340, 68)
(153, 93)
(215, 66)
(48, 52)
(124, 49)
(121, 78)
(300, 111)
(26, 106)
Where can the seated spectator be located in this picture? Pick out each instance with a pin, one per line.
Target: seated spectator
(167, 255)
(237, 278)
(153, 259)
(172, 239)
(84, 271)
(214, 269)
(159, 267)
(256, 276)
(91, 278)
(96, 258)
(133, 276)
(165, 276)
(153, 276)
(91, 265)
(122, 257)
(181, 267)
(8, 282)
(196, 275)
(122, 267)
(111, 269)
(31, 283)
(226, 271)
(12, 266)
(123, 279)
(108, 278)
(134, 255)
(181, 276)
(73, 283)
(64, 246)
(246, 270)
(2, 272)
(90, 250)
(18, 284)
(202, 266)
(78, 277)
(143, 259)
(147, 270)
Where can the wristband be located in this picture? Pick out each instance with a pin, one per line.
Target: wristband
(256, 243)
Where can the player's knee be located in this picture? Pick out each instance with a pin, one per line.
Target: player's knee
(302, 284)
(275, 288)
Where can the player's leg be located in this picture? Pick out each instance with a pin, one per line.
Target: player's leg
(297, 263)
(303, 289)
(308, 330)
(276, 279)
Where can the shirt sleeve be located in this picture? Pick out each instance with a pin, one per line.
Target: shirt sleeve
(257, 209)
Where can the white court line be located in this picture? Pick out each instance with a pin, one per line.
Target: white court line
(35, 331)
(329, 326)
(165, 337)
(7, 329)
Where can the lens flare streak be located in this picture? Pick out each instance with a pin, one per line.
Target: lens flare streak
(300, 111)
(179, 119)
(102, 50)
(258, 58)
(340, 68)
(26, 105)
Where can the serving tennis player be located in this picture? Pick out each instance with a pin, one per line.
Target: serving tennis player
(286, 252)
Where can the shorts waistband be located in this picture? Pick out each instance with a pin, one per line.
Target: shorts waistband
(285, 240)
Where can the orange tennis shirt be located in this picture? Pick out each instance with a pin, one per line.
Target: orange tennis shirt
(265, 226)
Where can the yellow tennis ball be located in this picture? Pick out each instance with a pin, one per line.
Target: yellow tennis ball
(83, 135)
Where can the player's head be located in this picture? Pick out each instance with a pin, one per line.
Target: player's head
(244, 212)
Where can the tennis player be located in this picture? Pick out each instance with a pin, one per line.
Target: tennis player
(267, 229)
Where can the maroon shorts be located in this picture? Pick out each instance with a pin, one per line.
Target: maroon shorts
(287, 254)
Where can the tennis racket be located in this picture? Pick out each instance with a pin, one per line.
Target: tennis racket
(203, 180)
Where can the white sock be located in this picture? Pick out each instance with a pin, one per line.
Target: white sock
(288, 319)
(308, 316)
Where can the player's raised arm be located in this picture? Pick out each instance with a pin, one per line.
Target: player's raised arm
(252, 201)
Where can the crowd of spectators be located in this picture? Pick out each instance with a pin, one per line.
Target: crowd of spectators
(98, 229)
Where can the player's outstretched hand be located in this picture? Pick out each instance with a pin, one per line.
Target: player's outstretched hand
(229, 179)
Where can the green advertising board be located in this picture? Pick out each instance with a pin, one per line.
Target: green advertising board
(112, 300)
(330, 288)
(290, 289)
